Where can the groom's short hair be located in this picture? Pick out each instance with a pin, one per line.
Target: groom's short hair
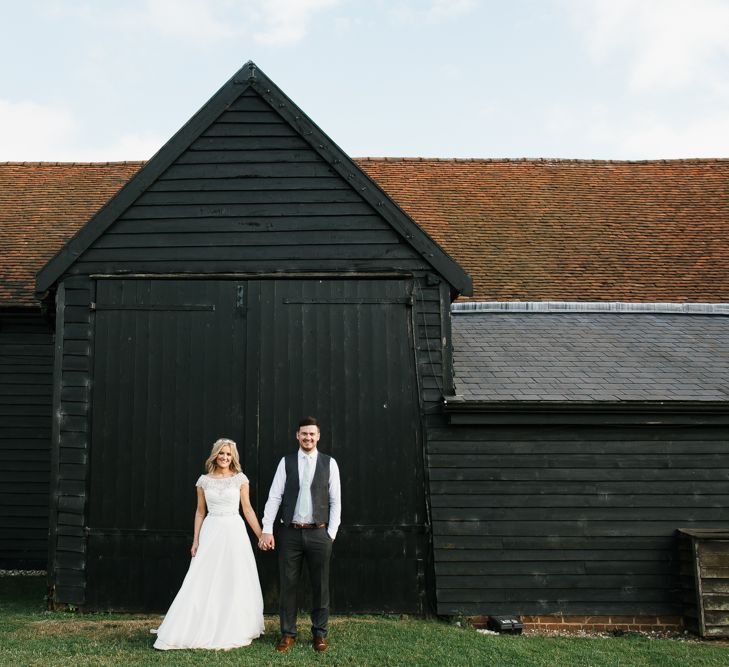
(309, 421)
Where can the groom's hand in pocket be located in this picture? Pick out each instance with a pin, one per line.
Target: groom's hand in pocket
(266, 542)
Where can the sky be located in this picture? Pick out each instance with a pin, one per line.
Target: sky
(109, 80)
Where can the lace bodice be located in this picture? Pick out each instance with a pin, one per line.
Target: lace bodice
(222, 495)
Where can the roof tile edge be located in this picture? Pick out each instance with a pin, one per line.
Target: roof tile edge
(546, 160)
(465, 307)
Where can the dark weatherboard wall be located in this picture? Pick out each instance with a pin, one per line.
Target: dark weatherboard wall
(26, 362)
(248, 275)
(249, 195)
(569, 519)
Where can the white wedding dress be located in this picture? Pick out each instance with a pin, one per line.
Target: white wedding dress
(219, 605)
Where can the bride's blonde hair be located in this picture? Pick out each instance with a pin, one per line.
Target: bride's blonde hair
(210, 464)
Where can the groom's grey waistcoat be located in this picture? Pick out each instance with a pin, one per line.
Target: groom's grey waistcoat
(319, 488)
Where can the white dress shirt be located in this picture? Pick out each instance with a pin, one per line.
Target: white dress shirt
(279, 484)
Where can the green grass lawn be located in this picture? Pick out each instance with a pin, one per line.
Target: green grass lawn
(29, 635)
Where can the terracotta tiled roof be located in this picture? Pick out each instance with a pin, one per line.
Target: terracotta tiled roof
(573, 230)
(42, 204)
(567, 230)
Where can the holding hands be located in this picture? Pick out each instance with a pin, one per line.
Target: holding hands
(266, 542)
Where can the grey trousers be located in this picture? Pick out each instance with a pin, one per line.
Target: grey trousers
(314, 546)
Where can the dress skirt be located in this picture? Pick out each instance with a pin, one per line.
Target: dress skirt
(219, 605)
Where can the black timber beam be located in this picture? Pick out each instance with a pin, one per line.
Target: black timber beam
(649, 413)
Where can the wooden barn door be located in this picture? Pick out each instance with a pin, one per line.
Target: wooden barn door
(178, 364)
(168, 368)
(342, 350)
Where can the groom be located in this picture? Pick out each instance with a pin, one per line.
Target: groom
(306, 488)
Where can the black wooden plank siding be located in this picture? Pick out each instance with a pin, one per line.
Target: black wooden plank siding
(26, 372)
(340, 348)
(71, 436)
(167, 368)
(239, 200)
(70, 441)
(343, 350)
(110, 536)
(556, 520)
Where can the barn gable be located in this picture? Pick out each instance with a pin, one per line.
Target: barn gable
(251, 182)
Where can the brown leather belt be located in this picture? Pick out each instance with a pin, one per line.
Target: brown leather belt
(302, 526)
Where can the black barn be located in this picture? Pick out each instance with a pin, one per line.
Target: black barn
(249, 273)
(531, 451)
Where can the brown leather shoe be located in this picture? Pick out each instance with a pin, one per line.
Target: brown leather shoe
(320, 643)
(287, 642)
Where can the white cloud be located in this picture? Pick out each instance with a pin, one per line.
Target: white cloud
(668, 43)
(638, 135)
(195, 19)
(126, 147)
(31, 132)
(287, 21)
(649, 138)
(434, 11)
(274, 22)
(447, 9)
(673, 56)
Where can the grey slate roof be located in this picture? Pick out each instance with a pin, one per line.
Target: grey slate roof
(591, 357)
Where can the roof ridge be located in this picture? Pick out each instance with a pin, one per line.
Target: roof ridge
(44, 163)
(542, 160)
(539, 160)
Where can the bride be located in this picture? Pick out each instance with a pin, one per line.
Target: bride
(219, 605)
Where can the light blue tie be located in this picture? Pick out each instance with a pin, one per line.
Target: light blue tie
(305, 491)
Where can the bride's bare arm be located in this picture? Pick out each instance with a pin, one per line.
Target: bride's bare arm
(200, 513)
(248, 513)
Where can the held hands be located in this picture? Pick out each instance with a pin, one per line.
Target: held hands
(266, 542)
